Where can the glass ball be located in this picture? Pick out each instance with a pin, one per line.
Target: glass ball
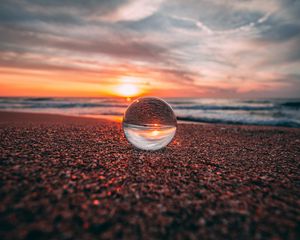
(149, 123)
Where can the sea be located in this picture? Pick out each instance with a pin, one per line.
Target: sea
(267, 112)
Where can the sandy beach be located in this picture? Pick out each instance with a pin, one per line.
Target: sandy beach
(78, 178)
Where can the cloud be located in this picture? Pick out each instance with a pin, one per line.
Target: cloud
(15, 40)
(201, 47)
(134, 11)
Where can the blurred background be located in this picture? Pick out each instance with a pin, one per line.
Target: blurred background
(214, 61)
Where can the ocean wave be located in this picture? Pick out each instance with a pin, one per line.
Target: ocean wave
(291, 104)
(39, 99)
(279, 123)
(180, 102)
(257, 101)
(224, 107)
(61, 105)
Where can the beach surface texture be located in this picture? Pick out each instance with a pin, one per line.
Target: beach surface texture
(78, 178)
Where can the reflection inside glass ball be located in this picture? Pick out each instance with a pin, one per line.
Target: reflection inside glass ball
(149, 123)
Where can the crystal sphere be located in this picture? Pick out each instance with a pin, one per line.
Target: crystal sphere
(149, 123)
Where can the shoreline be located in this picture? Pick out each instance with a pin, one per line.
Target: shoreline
(78, 178)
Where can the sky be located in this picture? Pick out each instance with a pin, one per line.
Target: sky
(201, 48)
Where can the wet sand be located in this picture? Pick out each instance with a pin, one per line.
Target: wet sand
(78, 178)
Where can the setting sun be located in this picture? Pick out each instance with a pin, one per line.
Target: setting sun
(127, 90)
